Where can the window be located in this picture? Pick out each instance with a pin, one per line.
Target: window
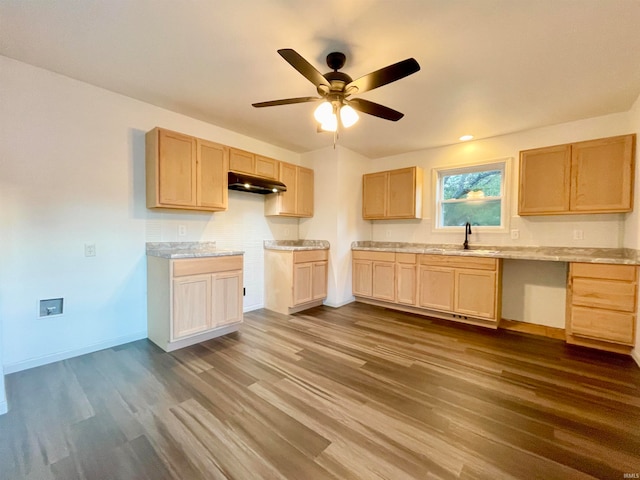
(473, 194)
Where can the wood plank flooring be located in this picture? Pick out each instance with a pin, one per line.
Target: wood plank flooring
(358, 392)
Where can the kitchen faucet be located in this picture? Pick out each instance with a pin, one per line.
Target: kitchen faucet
(467, 231)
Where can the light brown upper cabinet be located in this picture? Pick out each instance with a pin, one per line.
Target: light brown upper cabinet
(252, 164)
(393, 194)
(297, 201)
(185, 172)
(594, 176)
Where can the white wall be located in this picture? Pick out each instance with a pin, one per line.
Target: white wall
(337, 217)
(72, 172)
(632, 225)
(599, 230)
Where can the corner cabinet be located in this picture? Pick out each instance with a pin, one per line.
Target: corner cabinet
(184, 172)
(193, 300)
(392, 194)
(295, 279)
(297, 201)
(602, 305)
(594, 176)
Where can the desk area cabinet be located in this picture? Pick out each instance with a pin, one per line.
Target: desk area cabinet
(602, 305)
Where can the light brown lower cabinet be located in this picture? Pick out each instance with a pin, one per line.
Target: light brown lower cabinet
(601, 306)
(406, 278)
(374, 275)
(458, 288)
(192, 300)
(295, 279)
(463, 286)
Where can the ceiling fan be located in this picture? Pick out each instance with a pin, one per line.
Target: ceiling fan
(336, 87)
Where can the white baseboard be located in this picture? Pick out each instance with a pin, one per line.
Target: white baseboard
(635, 354)
(340, 304)
(55, 357)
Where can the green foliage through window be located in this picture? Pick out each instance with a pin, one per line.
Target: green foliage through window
(471, 195)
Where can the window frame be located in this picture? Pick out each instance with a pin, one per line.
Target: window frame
(503, 164)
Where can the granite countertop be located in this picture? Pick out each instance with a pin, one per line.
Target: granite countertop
(187, 250)
(296, 245)
(623, 256)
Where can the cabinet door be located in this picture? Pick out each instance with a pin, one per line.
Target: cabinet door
(212, 175)
(304, 192)
(287, 200)
(226, 292)
(435, 286)
(384, 281)
(191, 305)
(545, 180)
(602, 175)
(475, 293)
(406, 284)
(267, 167)
(319, 280)
(401, 199)
(176, 169)
(374, 195)
(362, 277)
(241, 161)
(302, 283)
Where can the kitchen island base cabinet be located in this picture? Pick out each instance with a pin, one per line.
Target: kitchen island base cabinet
(193, 300)
(295, 280)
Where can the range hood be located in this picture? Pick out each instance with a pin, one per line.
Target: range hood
(248, 183)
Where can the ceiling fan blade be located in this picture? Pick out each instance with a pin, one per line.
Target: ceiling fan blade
(375, 109)
(305, 68)
(383, 76)
(286, 101)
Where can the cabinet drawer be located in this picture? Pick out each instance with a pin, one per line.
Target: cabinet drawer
(591, 292)
(477, 263)
(602, 270)
(406, 258)
(375, 256)
(603, 324)
(304, 256)
(196, 266)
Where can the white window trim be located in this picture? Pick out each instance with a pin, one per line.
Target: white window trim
(500, 163)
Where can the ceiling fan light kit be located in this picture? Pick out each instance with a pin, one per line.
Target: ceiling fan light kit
(335, 87)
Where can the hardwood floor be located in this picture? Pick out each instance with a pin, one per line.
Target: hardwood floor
(358, 392)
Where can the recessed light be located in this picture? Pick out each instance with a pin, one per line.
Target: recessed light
(466, 138)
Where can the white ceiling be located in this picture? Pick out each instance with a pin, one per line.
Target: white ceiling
(489, 67)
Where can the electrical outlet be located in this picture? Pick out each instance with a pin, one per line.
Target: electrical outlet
(182, 230)
(89, 249)
(578, 234)
(515, 234)
(387, 234)
(287, 231)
